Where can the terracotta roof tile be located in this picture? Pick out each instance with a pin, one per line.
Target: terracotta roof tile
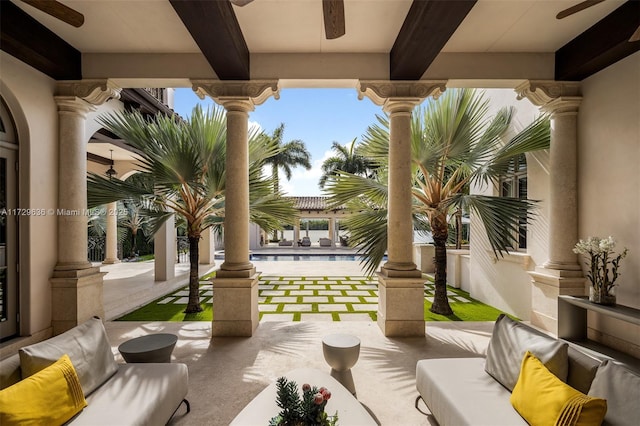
(310, 203)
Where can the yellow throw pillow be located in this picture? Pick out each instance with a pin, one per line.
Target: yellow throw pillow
(51, 396)
(544, 400)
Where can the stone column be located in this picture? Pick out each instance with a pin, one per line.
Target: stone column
(296, 232)
(561, 273)
(165, 248)
(235, 301)
(76, 286)
(111, 243)
(332, 230)
(400, 283)
(207, 247)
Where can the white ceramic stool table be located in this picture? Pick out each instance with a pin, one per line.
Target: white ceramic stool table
(341, 351)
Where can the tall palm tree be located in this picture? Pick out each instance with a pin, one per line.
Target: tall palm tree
(135, 221)
(454, 145)
(290, 154)
(347, 159)
(185, 161)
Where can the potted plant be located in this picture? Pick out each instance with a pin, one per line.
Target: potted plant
(305, 411)
(602, 263)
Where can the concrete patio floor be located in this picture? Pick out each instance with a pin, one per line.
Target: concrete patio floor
(225, 374)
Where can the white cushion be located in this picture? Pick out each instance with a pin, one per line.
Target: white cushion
(87, 347)
(511, 340)
(621, 388)
(459, 392)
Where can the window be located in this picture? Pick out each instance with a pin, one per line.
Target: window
(514, 184)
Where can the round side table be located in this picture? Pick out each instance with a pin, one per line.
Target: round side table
(149, 348)
(341, 351)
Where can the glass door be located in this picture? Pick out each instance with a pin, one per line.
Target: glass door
(8, 246)
(8, 228)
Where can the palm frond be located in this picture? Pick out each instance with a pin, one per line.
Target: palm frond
(501, 217)
(345, 187)
(368, 232)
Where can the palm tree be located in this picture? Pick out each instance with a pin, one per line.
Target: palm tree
(454, 145)
(290, 154)
(134, 221)
(183, 165)
(346, 160)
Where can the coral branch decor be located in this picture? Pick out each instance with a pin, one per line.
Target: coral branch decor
(305, 411)
(602, 263)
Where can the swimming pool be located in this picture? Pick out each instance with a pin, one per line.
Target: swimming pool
(303, 257)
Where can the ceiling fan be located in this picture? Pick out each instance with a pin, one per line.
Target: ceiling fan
(585, 5)
(333, 11)
(58, 10)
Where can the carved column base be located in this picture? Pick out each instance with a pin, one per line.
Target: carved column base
(547, 285)
(110, 261)
(400, 305)
(76, 296)
(235, 306)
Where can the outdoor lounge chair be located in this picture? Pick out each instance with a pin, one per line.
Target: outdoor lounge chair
(325, 242)
(306, 242)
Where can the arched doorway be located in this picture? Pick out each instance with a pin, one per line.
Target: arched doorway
(9, 215)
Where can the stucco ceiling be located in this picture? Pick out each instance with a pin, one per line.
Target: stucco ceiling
(296, 26)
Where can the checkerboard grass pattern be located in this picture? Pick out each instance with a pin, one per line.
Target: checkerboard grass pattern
(311, 298)
(317, 298)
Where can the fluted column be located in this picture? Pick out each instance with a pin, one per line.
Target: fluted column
(400, 288)
(561, 273)
(76, 285)
(111, 243)
(72, 183)
(235, 300)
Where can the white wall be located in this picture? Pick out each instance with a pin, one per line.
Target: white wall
(503, 282)
(29, 96)
(609, 176)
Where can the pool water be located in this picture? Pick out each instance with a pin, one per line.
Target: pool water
(303, 257)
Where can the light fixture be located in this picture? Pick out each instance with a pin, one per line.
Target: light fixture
(111, 172)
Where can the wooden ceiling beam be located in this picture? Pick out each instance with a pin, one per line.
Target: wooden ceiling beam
(28, 40)
(604, 44)
(426, 29)
(215, 29)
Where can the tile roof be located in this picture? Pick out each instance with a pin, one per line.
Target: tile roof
(311, 203)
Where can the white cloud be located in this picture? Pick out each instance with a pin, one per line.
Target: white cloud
(305, 182)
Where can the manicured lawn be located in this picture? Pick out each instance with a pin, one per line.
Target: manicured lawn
(311, 298)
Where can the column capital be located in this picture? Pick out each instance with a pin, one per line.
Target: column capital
(399, 96)
(95, 92)
(237, 95)
(551, 96)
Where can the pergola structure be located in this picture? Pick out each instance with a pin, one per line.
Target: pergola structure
(395, 53)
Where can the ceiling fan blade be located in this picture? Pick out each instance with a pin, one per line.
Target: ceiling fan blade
(333, 11)
(635, 36)
(58, 10)
(240, 3)
(577, 8)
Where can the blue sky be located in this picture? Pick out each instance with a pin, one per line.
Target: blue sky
(316, 116)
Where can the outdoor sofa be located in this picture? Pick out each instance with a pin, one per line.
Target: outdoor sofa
(115, 394)
(478, 391)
